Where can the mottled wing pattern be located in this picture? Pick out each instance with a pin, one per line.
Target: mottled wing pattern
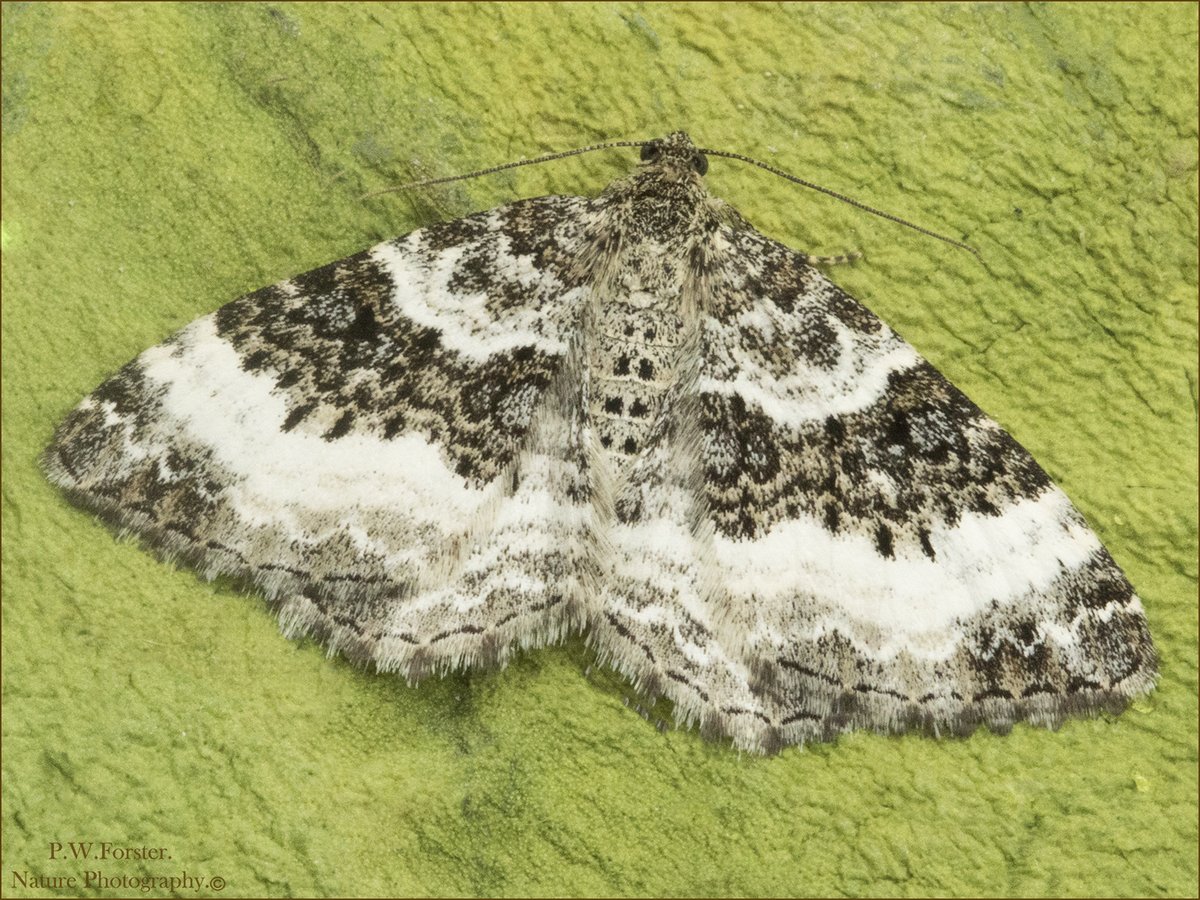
(390, 447)
(887, 556)
(636, 415)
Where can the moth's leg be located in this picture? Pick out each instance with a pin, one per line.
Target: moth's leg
(838, 260)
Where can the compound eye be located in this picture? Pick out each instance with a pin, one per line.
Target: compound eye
(651, 151)
(700, 163)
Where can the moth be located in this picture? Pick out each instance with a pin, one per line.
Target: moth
(633, 417)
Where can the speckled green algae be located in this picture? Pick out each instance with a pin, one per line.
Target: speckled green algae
(160, 160)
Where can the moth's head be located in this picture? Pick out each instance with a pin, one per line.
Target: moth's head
(664, 198)
(675, 153)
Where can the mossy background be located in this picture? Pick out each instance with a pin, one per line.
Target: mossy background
(160, 160)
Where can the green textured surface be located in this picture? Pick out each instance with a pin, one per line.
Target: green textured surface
(161, 160)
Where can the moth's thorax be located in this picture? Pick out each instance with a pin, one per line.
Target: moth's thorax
(664, 202)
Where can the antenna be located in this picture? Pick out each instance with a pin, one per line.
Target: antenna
(856, 203)
(721, 153)
(512, 165)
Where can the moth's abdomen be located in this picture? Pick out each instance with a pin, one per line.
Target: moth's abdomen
(634, 361)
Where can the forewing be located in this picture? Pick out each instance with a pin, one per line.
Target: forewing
(889, 556)
(386, 446)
